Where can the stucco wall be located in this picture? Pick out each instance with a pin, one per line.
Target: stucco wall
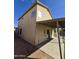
(28, 25)
(42, 14)
(41, 33)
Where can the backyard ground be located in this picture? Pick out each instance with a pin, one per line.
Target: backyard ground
(25, 50)
(46, 50)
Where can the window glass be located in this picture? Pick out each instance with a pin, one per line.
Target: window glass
(33, 13)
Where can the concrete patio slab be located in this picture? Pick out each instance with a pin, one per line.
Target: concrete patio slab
(52, 49)
(40, 55)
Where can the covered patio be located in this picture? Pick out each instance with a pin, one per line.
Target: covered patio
(53, 23)
(57, 23)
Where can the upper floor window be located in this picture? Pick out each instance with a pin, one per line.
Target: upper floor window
(33, 13)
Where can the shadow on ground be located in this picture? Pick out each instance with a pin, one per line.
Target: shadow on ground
(22, 47)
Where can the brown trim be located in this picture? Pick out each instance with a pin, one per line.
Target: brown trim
(50, 13)
(52, 23)
(33, 6)
(60, 19)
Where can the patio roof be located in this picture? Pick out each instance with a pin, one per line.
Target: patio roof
(53, 23)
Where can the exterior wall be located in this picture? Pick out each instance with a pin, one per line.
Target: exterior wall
(28, 26)
(42, 14)
(41, 33)
(41, 30)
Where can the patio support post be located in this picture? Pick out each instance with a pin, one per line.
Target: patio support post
(59, 39)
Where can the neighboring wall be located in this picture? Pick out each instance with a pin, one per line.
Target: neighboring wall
(28, 25)
(42, 14)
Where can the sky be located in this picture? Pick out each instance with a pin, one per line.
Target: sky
(56, 7)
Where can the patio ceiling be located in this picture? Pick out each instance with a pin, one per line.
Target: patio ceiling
(53, 23)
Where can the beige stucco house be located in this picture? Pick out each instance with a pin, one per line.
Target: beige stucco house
(35, 25)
